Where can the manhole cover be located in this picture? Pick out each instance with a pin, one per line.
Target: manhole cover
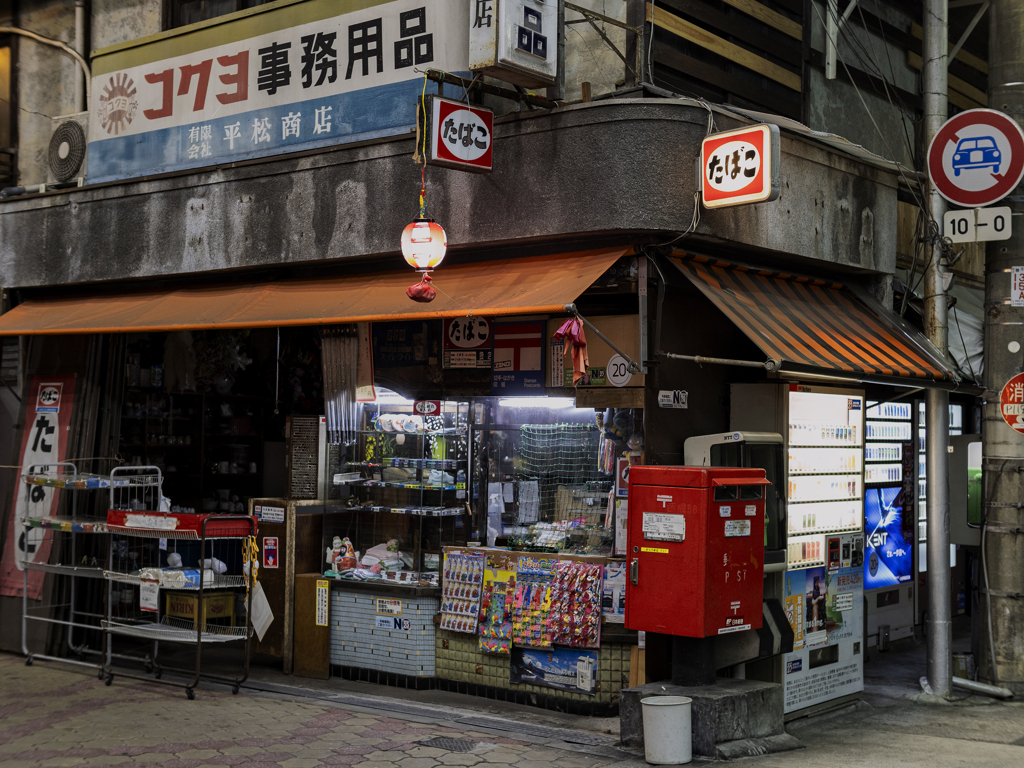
(451, 745)
(562, 734)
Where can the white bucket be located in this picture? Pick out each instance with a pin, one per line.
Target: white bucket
(667, 729)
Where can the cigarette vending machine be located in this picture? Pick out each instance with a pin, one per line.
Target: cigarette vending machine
(695, 550)
(822, 587)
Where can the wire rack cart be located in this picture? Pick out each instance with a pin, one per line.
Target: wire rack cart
(174, 578)
(74, 594)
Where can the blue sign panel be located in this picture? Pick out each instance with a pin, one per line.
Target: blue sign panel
(888, 559)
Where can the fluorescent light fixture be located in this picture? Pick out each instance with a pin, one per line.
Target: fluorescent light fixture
(537, 402)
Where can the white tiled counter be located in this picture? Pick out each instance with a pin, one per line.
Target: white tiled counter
(382, 628)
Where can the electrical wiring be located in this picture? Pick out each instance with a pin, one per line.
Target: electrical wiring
(967, 355)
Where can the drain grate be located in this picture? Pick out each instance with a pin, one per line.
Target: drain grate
(450, 745)
(562, 734)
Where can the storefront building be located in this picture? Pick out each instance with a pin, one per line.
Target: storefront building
(425, 476)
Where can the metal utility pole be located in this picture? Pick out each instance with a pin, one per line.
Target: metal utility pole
(940, 628)
(1003, 463)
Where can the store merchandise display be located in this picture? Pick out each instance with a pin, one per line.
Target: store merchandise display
(532, 602)
(495, 614)
(463, 584)
(574, 618)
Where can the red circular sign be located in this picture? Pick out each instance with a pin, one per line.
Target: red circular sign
(977, 158)
(1011, 403)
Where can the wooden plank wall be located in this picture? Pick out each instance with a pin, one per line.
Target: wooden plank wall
(734, 51)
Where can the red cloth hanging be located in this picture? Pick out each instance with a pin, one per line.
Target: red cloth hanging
(572, 332)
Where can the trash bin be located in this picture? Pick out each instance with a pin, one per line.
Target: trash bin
(667, 729)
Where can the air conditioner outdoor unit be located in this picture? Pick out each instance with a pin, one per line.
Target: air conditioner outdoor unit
(66, 155)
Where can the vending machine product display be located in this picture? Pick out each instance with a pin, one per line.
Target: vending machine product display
(823, 586)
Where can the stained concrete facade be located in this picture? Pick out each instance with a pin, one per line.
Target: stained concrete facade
(615, 166)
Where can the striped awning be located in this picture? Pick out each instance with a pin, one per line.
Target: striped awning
(821, 325)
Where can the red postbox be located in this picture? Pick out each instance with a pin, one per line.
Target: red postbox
(695, 550)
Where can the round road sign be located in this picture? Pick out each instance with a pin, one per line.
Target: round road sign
(1011, 403)
(977, 158)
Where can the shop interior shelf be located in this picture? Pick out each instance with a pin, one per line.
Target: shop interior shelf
(82, 481)
(154, 533)
(808, 531)
(407, 486)
(174, 630)
(837, 472)
(824, 501)
(77, 524)
(411, 463)
(421, 511)
(84, 571)
(220, 581)
(795, 564)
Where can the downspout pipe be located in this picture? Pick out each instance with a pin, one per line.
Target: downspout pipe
(80, 47)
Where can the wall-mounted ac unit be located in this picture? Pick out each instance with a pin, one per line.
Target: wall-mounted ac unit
(66, 155)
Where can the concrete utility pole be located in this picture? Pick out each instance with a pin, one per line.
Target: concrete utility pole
(1003, 462)
(940, 628)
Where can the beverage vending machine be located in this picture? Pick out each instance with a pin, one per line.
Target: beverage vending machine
(822, 586)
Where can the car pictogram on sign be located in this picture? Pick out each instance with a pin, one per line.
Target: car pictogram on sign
(981, 152)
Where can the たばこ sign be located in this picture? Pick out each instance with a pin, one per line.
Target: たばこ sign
(740, 166)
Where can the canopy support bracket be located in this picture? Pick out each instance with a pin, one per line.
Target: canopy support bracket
(769, 365)
(632, 365)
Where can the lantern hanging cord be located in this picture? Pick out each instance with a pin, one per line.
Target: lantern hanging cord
(422, 149)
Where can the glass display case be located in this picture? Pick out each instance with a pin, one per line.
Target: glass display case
(403, 487)
(544, 472)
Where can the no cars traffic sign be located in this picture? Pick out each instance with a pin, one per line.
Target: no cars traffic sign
(977, 158)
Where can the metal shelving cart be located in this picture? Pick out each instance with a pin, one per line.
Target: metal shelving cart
(73, 562)
(161, 590)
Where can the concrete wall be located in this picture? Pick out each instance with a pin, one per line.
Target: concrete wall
(46, 81)
(835, 107)
(588, 58)
(610, 166)
(46, 76)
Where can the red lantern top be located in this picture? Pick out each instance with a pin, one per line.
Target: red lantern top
(424, 244)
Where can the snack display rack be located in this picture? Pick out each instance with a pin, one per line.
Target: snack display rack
(146, 601)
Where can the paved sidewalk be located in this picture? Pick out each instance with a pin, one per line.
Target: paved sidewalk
(53, 714)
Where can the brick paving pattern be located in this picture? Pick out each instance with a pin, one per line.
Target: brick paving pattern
(55, 715)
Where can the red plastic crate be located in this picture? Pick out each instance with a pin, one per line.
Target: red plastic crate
(179, 524)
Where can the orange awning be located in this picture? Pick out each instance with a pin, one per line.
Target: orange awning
(816, 325)
(532, 285)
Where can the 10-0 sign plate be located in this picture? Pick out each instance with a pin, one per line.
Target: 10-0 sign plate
(740, 166)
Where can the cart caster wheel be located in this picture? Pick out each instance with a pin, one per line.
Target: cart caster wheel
(28, 661)
(149, 667)
(159, 674)
(109, 680)
(190, 693)
(234, 689)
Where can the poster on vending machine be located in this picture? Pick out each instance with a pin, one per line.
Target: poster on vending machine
(825, 609)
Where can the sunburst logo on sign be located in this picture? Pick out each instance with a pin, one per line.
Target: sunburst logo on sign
(118, 104)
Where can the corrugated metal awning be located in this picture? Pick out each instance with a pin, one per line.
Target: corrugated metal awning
(816, 325)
